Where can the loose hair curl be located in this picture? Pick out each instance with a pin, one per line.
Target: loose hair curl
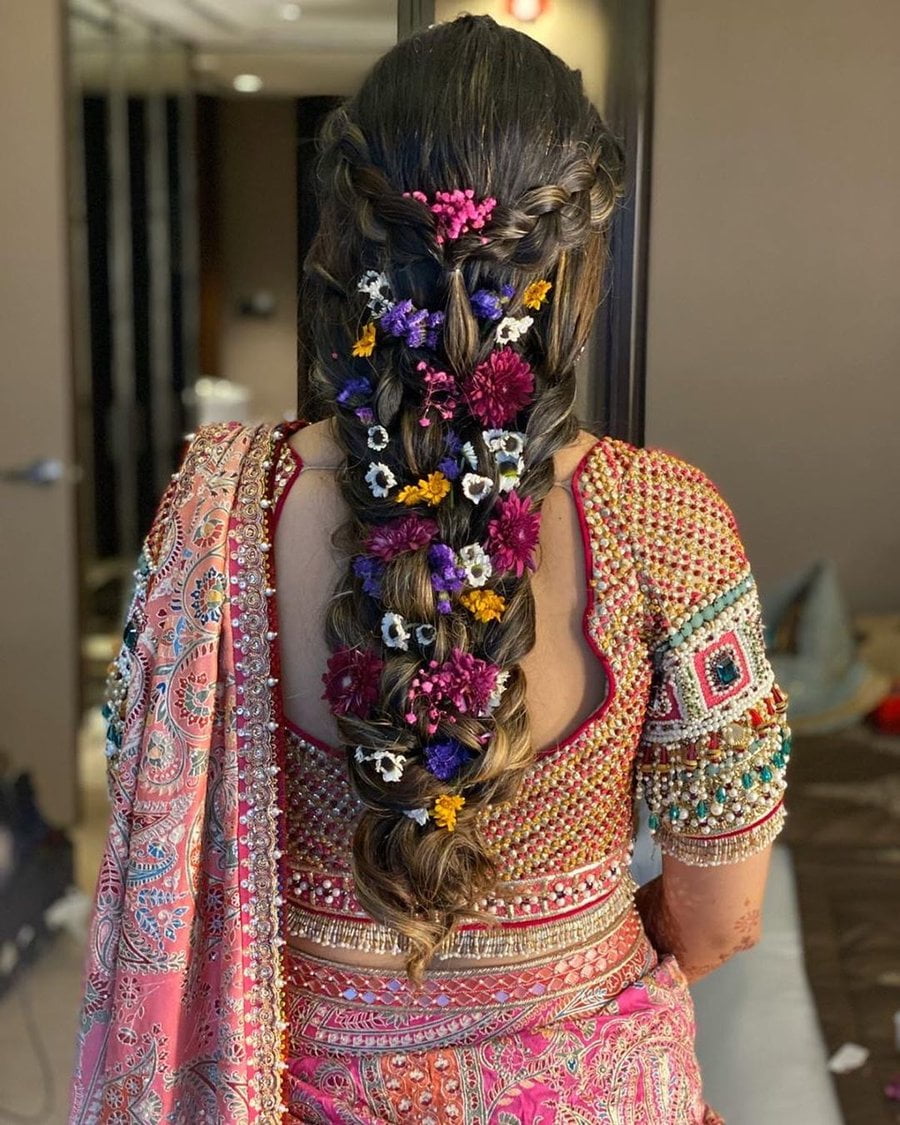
(465, 104)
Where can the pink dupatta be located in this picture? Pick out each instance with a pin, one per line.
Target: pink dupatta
(181, 1019)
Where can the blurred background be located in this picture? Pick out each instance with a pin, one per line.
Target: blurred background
(156, 176)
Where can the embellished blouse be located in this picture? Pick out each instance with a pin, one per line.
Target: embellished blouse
(693, 724)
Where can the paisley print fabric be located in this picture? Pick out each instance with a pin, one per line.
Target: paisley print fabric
(229, 837)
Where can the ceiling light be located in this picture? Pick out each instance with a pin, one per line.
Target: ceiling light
(527, 10)
(247, 83)
(289, 11)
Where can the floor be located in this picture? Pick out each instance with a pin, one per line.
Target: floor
(840, 877)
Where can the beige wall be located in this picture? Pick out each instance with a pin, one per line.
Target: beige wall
(258, 187)
(774, 336)
(573, 29)
(38, 568)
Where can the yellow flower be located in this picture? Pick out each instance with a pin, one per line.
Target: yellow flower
(431, 490)
(485, 605)
(365, 345)
(536, 293)
(445, 809)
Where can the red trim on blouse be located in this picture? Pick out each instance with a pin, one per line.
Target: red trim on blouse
(611, 684)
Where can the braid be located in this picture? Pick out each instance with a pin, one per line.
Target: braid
(420, 860)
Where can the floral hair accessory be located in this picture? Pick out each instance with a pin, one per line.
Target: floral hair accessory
(496, 695)
(476, 562)
(430, 490)
(513, 534)
(351, 681)
(420, 816)
(499, 387)
(447, 576)
(446, 758)
(354, 390)
(398, 536)
(378, 289)
(488, 304)
(394, 632)
(484, 605)
(426, 635)
(476, 488)
(460, 685)
(446, 808)
(371, 572)
(468, 451)
(380, 479)
(393, 771)
(456, 212)
(536, 293)
(509, 471)
(508, 442)
(418, 327)
(511, 328)
(365, 345)
(441, 393)
(378, 438)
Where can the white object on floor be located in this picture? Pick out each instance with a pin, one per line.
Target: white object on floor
(758, 1038)
(849, 1056)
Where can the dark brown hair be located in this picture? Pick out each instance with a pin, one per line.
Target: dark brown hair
(467, 104)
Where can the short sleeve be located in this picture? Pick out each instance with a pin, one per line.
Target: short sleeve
(715, 743)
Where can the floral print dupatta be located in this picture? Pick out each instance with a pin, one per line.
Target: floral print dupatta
(181, 1018)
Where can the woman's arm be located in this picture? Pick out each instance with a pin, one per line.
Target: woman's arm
(705, 915)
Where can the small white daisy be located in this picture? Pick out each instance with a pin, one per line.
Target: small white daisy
(508, 442)
(511, 328)
(510, 470)
(475, 488)
(476, 562)
(394, 632)
(380, 479)
(468, 451)
(426, 634)
(378, 438)
(393, 771)
(499, 688)
(378, 289)
(420, 816)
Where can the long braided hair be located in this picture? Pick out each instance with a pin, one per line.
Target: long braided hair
(465, 195)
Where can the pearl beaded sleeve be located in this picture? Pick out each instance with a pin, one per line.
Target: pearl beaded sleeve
(715, 744)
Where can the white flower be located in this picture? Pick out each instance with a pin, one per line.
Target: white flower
(378, 289)
(510, 328)
(499, 688)
(475, 488)
(394, 632)
(378, 438)
(380, 479)
(508, 442)
(510, 469)
(393, 771)
(476, 562)
(426, 634)
(468, 451)
(420, 816)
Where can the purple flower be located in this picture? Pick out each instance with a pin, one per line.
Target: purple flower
(449, 467)
(355, 387)
(487, 304)
(396, 320)
(365, 414)
(508, 292)
(447, 576)
(445, 758)
(435, 324)
(415, 326)
(371, 572)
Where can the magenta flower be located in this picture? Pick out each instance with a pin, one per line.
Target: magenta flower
(352, 681)
(499, 387)
(441, 393)
(462, 685)
(513, 534)
(456, 212)
(407, 533)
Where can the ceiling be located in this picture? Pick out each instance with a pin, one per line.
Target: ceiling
(325, 49)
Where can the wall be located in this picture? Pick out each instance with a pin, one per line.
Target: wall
(258, 201)
(774, 339)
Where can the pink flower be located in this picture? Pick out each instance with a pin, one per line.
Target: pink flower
(456, 212)
(499, 387)
(352, 681)
(441, 393)
(513, 534)
(408, 533)
(462, 685)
